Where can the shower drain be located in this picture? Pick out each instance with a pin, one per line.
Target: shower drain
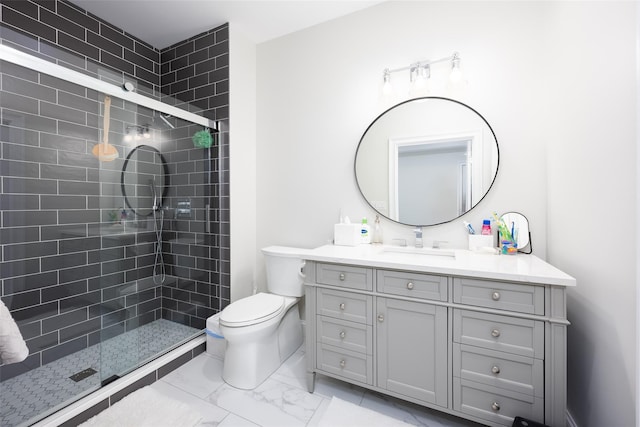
(83, 374)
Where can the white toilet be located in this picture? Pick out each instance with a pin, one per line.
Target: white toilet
(264, 329)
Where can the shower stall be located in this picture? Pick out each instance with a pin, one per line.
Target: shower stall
(108, 209)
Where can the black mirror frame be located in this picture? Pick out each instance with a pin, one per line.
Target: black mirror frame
(165, 170)
(355, 158)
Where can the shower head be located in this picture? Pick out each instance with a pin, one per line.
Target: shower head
(167, 122)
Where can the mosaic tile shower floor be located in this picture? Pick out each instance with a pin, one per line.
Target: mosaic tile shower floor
(32, 393)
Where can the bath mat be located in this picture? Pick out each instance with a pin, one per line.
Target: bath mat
(344, 414)
(145, 408)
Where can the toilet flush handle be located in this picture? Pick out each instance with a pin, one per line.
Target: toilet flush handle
(301, 272)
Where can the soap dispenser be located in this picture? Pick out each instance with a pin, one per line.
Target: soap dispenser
(377, 231)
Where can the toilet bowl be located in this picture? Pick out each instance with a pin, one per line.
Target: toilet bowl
(264, 329)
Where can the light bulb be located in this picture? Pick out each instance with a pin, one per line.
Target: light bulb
(420, 81)
(127, 138)
(423, 76)
(456, 73)
(387, 89)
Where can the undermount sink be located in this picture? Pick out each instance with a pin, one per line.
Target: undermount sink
(449, 253)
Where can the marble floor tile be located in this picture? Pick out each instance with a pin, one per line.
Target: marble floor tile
(317, 416)
(293, 371)
(410, 413)
(201, 376)
(328, 387)
(272, 403)
(211, 415)
(234, 421)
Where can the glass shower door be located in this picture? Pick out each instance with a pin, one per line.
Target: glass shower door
(136, 215)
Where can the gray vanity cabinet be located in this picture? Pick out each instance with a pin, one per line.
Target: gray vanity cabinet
(402, 336)
(482, 349)
(411, 349)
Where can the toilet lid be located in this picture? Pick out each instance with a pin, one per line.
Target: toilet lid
(254, 309)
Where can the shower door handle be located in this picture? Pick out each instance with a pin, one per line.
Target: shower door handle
(207, 217)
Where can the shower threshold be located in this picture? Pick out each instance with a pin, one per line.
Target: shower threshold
(28, 397)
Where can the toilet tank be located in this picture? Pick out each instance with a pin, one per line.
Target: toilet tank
(284, 270)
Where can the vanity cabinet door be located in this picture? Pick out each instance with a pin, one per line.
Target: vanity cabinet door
(412, 349)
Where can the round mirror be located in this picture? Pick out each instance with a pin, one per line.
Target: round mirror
(144, 180)
(426, 161)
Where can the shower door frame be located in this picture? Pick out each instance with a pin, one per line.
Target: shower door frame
(17, 57)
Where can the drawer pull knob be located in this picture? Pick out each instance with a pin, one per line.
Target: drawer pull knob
(342, 363)
(342, 277)
(343, 334)
(380, 318)
(495, 369)
(495, 296)
(341, 306)
(495, 333)
(410, 285)
(495, 406)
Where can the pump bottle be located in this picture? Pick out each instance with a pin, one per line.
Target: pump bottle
(365, 235)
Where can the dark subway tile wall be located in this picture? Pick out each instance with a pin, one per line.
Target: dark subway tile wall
(62, 32)
(67, 284)
(195, 75)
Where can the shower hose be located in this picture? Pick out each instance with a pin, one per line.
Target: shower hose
(158, 265)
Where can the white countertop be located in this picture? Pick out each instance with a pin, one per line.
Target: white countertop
(519, 268)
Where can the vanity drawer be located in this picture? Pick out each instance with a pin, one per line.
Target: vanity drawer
(345, 305)
(494, 404)
(507, 371)
(345, 363)
(522, 298)
(345, 335)
(513, 335)
(345, 276)
(425, 286)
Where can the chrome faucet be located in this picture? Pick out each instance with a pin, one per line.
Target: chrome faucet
(418, 232)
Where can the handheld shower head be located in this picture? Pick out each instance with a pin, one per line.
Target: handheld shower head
(154, 194)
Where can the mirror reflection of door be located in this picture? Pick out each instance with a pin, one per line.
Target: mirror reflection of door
(431, 177)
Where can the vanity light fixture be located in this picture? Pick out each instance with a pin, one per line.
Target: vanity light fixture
(387, 89)
(456, 73)
(420, 73)
(136, 133)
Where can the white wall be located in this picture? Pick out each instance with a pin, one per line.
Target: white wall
(242, 168)
(317, 93)
(591, 164)
(555, 81)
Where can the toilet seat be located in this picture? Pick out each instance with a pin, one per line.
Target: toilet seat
(255, 309)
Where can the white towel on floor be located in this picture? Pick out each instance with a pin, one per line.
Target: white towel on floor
(13, 349)
(146, 407)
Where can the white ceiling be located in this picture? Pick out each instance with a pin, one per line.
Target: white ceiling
(162, 23)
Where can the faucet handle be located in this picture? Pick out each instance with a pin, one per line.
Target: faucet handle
(418, 232)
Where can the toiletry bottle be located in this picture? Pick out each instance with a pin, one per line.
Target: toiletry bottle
(364, 232)
(486, 227)
(377, 231)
